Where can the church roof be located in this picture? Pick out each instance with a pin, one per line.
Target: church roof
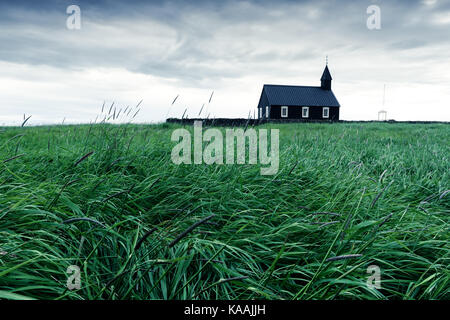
(300, 96)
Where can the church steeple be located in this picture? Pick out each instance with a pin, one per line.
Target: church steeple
(326, 79)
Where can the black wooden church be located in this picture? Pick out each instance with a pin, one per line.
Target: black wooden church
(299, 102)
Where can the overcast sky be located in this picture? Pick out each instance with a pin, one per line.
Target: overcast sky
(130, 50)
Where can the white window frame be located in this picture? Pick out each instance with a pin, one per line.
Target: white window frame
(267, 112)
(328, 112)
(307, 112)
(287, 110)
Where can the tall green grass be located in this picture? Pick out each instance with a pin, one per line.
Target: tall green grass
(376, 191)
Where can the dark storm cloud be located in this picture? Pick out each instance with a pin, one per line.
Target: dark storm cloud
(156, 50)
(192, 41)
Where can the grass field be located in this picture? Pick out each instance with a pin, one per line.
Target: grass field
(376, 191)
